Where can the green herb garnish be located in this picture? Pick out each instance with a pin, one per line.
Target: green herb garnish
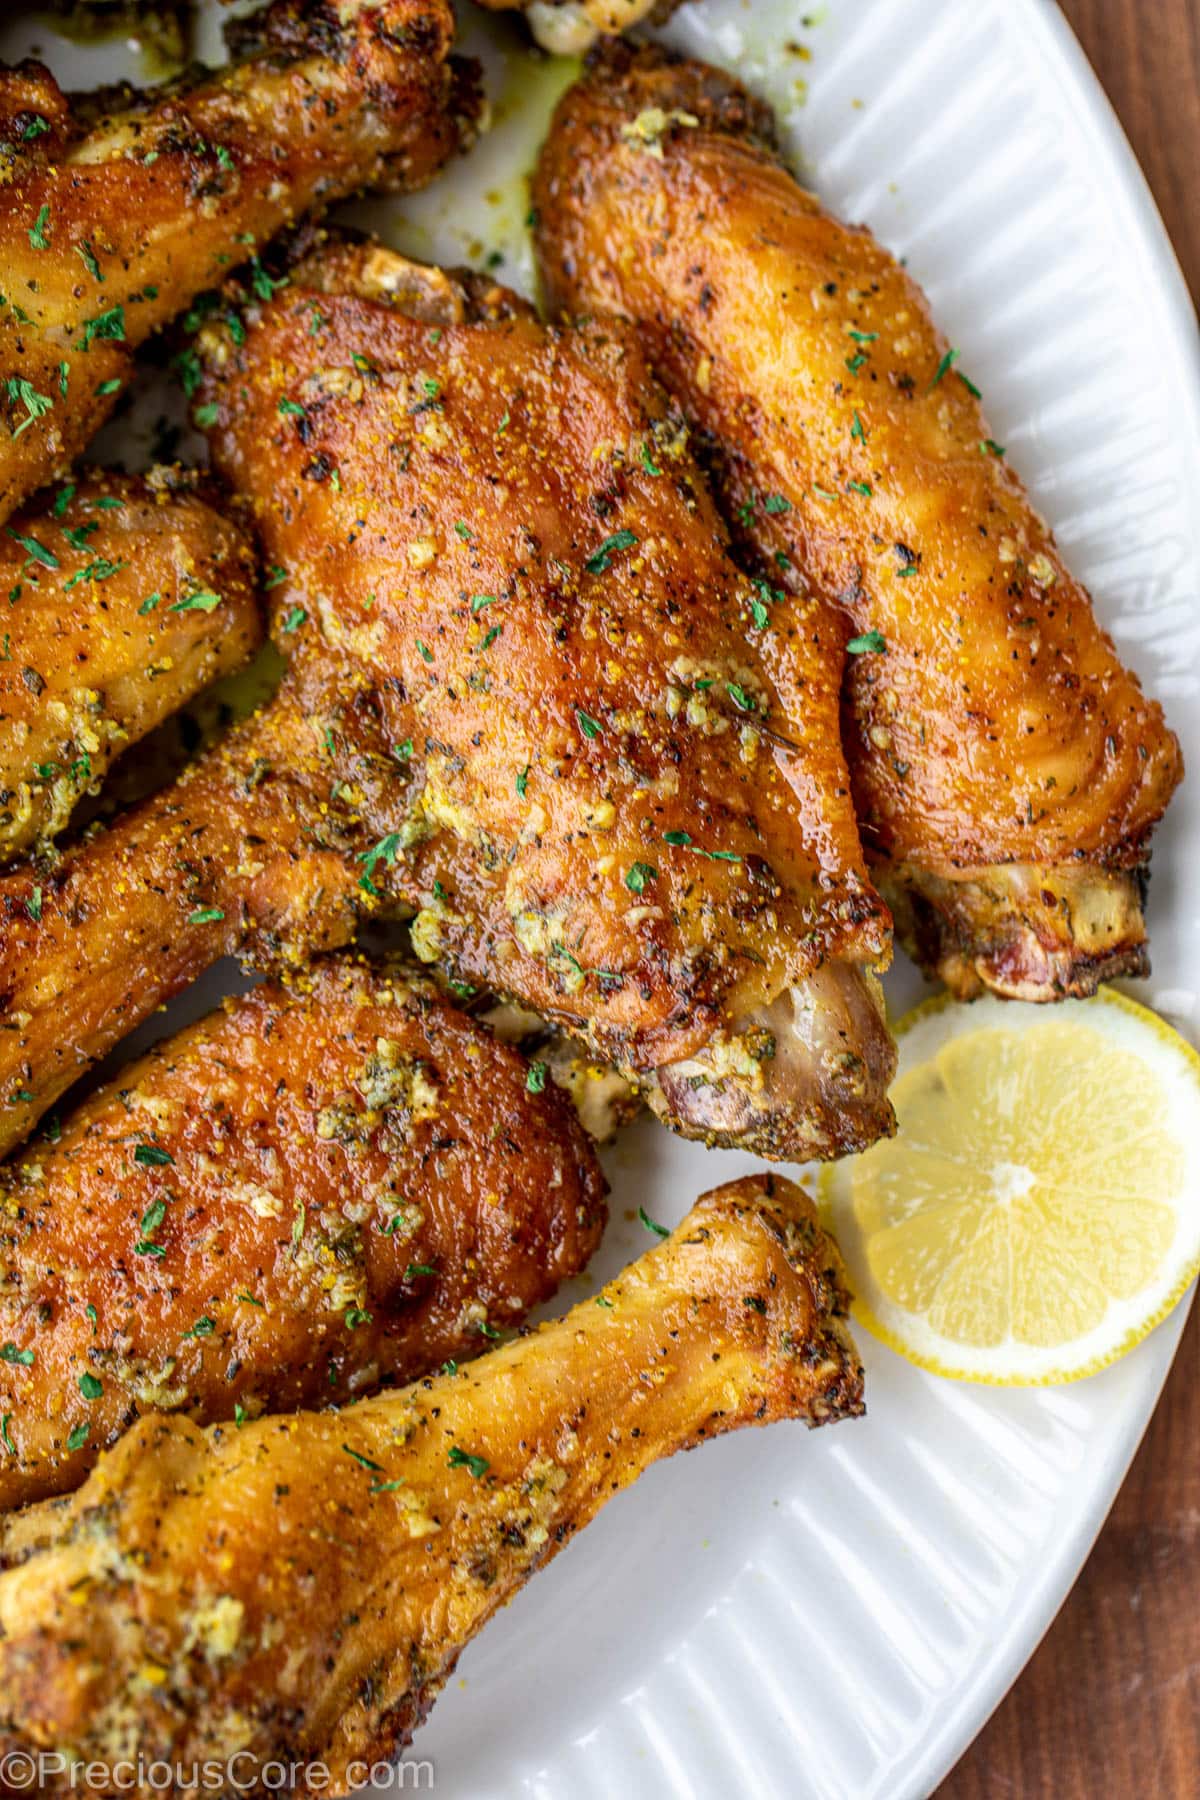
(600, 559)
(461, 1459)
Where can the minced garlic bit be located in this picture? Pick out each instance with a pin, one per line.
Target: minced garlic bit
(646, 131)
(423, 552)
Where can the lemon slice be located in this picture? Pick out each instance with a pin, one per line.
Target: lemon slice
(1038, 1211)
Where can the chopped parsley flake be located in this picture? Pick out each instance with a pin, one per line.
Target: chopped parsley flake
(869, 643)
(263, 284)
(638, 875)
(99, 570)
(84, 249)
(535, 1079)
(461, 1459)
(10, 1354)
(364, 1462)
(591, 728)
(384, 851)
(293, 618)
(109, 324)
(203, 600)
(205, 915)
(77, 1437)
(683, 840)
(600, 559)
(37, 231)
(23, 393)
(151, 1156)
(35, 551)
(90, 1388)
(947, 363)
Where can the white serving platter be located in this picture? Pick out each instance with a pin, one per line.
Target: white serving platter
(837, 1615)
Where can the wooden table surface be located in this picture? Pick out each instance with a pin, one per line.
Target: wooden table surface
(1109, 1707)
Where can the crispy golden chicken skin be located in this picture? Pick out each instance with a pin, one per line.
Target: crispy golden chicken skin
(108, 228)
(312, 1191)
(1007, 769)
(303, 1587)
(522, 705)
(126, 596)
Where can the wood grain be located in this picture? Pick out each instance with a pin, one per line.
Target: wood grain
(1110, 1704)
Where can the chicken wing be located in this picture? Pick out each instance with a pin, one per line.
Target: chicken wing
(109, 228)
(521, 706)
(126, 596)
(1007, 769)
(315, 1190)
(303, 1587)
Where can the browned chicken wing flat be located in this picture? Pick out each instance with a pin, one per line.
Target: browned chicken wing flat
(109, 228)
(1007, 769)
(310, 1192)
(303, 1587)
(521, 705)
(126, 596)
